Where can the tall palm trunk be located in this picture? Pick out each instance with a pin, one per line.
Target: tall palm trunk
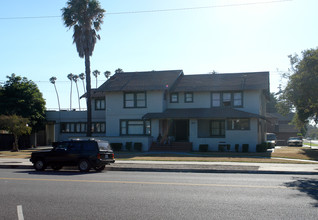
(71, 95)
(88, 93)
(79, 101)
(58, 98)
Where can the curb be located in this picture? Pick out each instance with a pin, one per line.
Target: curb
(131, 167)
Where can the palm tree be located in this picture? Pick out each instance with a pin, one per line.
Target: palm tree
(52, 80)
(70, 77)
(96, 73)
(82, 77)
(75, 78)
(119, 70)
(107, 74)
(86, 17)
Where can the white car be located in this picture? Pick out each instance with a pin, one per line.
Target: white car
(295, 141)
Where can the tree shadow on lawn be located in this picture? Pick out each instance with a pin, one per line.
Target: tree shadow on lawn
(310, 153)
(308, 186)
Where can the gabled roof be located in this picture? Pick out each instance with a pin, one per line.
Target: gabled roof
(218, 112)
(223, 82)
(141, 81)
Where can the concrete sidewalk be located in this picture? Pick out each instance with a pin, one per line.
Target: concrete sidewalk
(182, 166)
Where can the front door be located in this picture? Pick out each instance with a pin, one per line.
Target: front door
(181, 130)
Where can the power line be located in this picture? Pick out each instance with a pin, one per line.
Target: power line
(158, 10)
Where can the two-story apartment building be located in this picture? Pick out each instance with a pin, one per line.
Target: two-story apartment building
(167, 106)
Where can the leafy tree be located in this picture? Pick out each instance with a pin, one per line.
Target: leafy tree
(16, 125)
(52, 80)
(86, 17)
(22, 97)
(301, 92)
(96, 73)
(70, 77)
(271, 105)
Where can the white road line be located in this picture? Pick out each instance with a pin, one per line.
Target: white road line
(20, 213)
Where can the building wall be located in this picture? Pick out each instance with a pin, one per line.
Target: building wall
(115, 110)
(231, 137)
(200, 100)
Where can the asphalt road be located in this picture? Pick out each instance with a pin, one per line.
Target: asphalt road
(27, 194)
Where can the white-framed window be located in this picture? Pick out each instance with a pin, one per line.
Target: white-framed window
(238, 124)
(135, 127)
(188, 97)
(216, 99)
(80, 127)
(234, 99)
(217, 128)
(135, 100)
(237, 99)
(226, 99)
(174, 97)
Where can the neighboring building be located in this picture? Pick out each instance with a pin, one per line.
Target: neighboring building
(209, 109)
(281, 126)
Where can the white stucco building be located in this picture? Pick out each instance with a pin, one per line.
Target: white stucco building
(210, 109)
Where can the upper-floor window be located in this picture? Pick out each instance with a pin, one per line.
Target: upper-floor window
(135, 100)
(234, 99)
(100, 104)
(188, 97)
(174, 97)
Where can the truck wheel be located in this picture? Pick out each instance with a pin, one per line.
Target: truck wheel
(84, 165)
(39, 165)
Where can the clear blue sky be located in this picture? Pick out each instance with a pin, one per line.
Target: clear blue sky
(227, 36)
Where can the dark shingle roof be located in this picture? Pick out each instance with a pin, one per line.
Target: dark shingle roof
(140, 81)
(223, 82)
(219, 112)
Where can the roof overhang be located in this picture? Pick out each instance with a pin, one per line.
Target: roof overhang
(201, 113)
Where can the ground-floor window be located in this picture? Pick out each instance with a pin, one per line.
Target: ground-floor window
(80, 127)
(211, 128)
(238, 124)
(135, 127)
(217, 128)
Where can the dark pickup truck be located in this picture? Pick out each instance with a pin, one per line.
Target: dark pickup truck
(85, 154)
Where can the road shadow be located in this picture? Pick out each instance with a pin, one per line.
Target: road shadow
(63, 172)
(308, 186)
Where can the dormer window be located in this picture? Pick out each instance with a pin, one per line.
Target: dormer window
(174, 97)
(188, 97)
(100, 104)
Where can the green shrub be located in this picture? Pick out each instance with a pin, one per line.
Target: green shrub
(137, 146)
(129, 146)
(244, 148)
(237, 147)
(116, 146)
(203, 147)
(221, 148)
(228, 147)
(262, 147)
